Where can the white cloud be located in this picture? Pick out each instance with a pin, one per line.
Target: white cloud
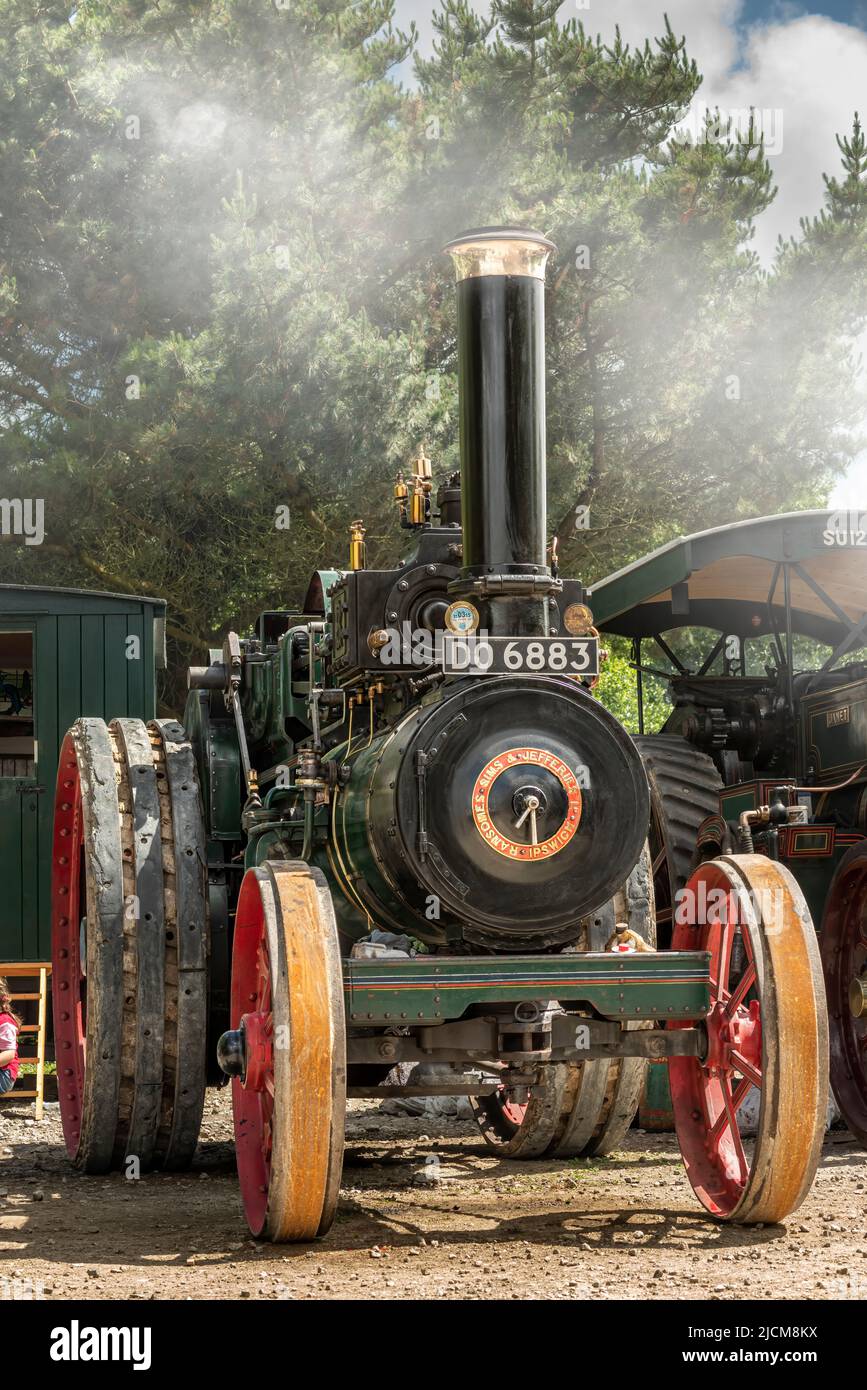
(811, 68)
(851, 491)
(708, 25)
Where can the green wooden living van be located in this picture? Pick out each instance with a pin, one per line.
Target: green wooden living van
(63, 653)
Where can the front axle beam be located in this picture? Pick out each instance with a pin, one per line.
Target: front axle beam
(433, 989)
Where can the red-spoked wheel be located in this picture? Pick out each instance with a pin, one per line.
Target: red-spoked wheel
(288, 1038)
(767, 1027)
(844, 959)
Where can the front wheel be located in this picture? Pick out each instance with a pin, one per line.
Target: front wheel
(767, 1028)
(288, 1032)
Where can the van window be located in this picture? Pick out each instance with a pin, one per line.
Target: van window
(17, 741)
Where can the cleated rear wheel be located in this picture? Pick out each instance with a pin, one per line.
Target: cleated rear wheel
(129, 945)
(684, 786)
(578, 1109)
(844, 959)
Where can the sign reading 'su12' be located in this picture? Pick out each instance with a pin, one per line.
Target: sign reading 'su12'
(530, 656)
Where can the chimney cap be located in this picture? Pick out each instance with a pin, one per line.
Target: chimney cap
(500, 251)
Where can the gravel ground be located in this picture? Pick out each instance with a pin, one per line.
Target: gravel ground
(426, 1212)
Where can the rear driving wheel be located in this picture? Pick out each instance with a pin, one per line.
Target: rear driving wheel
(684, 786)
(578, 1109)
(844, 959)
(129, 945)
(767, 1027)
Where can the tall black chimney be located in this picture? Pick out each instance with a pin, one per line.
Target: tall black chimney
(501, 371)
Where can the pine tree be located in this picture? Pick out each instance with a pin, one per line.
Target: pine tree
(223, 299)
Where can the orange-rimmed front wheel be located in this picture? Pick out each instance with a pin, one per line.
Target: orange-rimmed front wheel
(767, 1030)
(287, 1050)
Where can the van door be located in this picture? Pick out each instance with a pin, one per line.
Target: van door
(19, 792)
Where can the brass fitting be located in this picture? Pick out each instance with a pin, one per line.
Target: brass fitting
(357, 547)
(422, 484)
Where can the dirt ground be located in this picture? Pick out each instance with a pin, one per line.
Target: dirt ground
(426, 1212)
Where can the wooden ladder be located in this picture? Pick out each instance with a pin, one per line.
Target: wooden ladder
(40, 970)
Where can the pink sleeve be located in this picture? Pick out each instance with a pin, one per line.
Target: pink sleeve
(8, 1036)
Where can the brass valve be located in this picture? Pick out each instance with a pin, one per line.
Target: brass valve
(422, 483)
(401, 498)
(421, 466)
(357, 547)
(418, 507)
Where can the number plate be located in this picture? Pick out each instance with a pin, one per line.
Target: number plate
(526, 656)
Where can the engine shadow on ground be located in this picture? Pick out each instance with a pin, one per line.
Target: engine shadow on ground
(157, 1222)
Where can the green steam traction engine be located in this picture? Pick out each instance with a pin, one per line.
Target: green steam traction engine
(760, 630)
(397, 826)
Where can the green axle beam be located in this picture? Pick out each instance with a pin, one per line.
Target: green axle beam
(434, 989)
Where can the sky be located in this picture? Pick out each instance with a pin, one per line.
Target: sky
(803, 66)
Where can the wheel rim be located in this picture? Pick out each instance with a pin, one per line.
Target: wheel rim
(708, 1096)
(844, 959)
(253, 1104)
(287, 1002)
(68, 979)
(766, 1027)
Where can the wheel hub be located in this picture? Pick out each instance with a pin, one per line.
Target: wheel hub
(858, 996)
(230, 1053)
(730, 1038)
(257, 1033)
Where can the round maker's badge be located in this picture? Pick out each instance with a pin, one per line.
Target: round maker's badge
(578, 620)
(527, 803)
(462, 617)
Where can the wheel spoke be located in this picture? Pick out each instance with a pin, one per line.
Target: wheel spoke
(727, 942)
(737, 1143)
(751, 1075)
(741, 990)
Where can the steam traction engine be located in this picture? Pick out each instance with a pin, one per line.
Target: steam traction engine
(397, 826)
(763, 628)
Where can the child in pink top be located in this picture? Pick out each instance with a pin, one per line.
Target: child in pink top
(9, 1026)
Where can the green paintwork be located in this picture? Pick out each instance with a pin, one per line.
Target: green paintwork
(432, 989)
(215, 746)
(734, 801)
(834, 729)
(655, 1111)
(80, 668)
